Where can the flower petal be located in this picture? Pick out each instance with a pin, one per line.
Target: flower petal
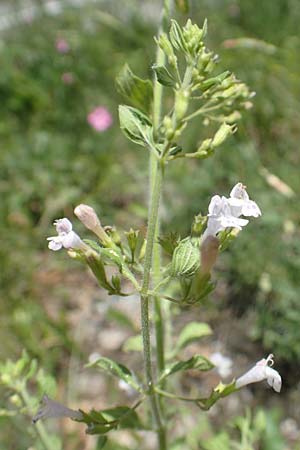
(273, 379)
(54, 243)
(72, 240)
(239, 191)
(63, 225)
(250, 208)
(215, 206)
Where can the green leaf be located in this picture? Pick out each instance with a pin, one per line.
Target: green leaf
(221, 391)
(96, 423)
(139, 92)
(192, 332)
(196, 362)
(116, 369)
(135, 125)
(93, 244)
(182, 6)
(125, 416)
(133, 344)
(112, 256)
(101, 422)
(163, 76)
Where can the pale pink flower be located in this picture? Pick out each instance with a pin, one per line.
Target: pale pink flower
(67, 78)
(261, 371)
(66, 237)
(62, 46)
(100, 119)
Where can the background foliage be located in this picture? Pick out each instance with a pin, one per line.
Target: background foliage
(51, 160)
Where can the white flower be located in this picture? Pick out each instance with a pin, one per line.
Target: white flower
(224, 212)
(261, 371)
(220, 217)
(66, 237)
(240, 203)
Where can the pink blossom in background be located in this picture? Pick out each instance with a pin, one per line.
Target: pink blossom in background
(62, 46)
(67, 78)
(100, 119)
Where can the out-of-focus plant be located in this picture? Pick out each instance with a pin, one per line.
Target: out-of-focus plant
(250, 432)
(16, 380)
(57, 109)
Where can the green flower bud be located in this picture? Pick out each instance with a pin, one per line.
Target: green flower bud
(168, 127)
(181, 103)
(165, 45)
(199, 224)
(177, 37)
(193, 37)
(223, 132)
(185, 261)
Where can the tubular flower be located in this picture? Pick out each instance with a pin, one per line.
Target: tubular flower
(240, 204)
(225, 212)
(261, 371)
(51, 409)
(66, 237)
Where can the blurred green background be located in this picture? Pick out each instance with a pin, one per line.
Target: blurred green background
(52, 159)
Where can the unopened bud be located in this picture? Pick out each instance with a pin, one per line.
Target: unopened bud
(181, 103)
(167, 48)
(87, 215)
(209, 252)
(223, 132)
(168, 127)
(185, 261)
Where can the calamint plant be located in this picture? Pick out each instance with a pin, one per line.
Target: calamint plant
(166, 271)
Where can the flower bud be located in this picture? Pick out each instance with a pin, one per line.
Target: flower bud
(209, 253)
(87, 215)
(223, 132)
(167, 48)
(185, 260)
(181, 103)
(168, 127)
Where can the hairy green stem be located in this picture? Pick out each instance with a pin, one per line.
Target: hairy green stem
(157, 112)
(145, 297)
(152, 255)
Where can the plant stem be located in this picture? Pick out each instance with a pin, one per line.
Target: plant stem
(145, 297)
(157, 112)
(152, 255)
